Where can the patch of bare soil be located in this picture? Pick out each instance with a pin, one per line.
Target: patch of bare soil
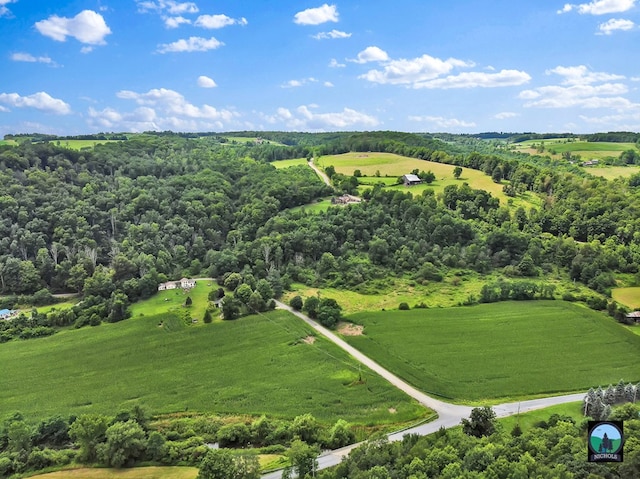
(309, 340)
(392, 410)
(350, 329)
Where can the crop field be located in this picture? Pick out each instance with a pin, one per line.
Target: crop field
(630, 297)
(167, 472)
(504, 350)
(587, 150)
(254, 365)
(287, 163)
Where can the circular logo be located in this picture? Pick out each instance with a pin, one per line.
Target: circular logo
(605, 438)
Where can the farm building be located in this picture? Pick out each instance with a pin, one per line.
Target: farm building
(5, 313)
(411, 179)
(345, 200)
(184, 283)
(634, 315)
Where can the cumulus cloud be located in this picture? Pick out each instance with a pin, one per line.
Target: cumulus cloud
(328, 84)
(336, 64)
(4, 11)
(580, 87)
(411, 71)
(333, 34)
(192, 44)
(175, 22)
(218, 21)
(477, 80)
(298, 83)
(28, 57)
(87, 27)
(615, 24)
(371, 54)
(161, 109)
(443, 122)
(40, 101)
(174, 8)
(206, 82)
(599, 7)
(304, 118)
(316, 16)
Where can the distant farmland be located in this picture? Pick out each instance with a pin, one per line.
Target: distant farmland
(501, 350)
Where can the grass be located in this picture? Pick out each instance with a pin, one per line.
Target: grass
(173, 300)
(505, 350)
(254, 365)
(613, 172)
(528, 420)
(391, 166)
(58, 306)
(81, 144)
(166, 472)
(287, 163)
(629, 297)
(315, 207)
(586, 150)
(8, 142)
(235, 140)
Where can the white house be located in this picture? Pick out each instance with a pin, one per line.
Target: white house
(167, 285)
(186, 283)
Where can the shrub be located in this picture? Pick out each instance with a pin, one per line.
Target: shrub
(403, 307)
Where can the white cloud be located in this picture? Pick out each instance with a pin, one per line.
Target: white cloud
(218, 21)
(580, 75)
(328, 84)
(174, 8)
(303, 118)
(28, 57)
(86, 27)
(477, 80)
(599, 7)
(298, 83)
(40, 101)
(192, 44)
(371, 54)
(86, 49)
(316, 16)
(582, 88)
(333, 34)
(610, 26)
(161, 109)
(175, 22)
(206, 82)
(336, 64)
(443, 122)
(4, 109)
(505, 115)
(404, 72)
(4, 11)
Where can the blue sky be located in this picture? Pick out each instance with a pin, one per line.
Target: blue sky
(463, 66)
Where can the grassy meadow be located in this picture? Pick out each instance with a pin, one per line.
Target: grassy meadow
(166, 472)
(500, 351)
(254, 365)
(280, 164)
(529, 419)
(587, 150)
(391, 166)
(173, 300)
(613, 172)
(630, 297)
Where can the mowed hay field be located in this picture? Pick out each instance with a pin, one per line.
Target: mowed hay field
(394, 166)
(630, 297)
(168, 472)
(586, 149)
(253, 365)
(288, 163)
(501, 350)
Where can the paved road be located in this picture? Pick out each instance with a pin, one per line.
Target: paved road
(449, 415)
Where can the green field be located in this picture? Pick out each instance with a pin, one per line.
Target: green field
(287, 163)
(234, 140)
(8, 142)
(316, 207)
(391, 166)
(529, 419)
(81, 144)
(173, 300)
(504, 350)
(254, 365)
(167, 472)
(630, 297)
(613, 172)
(586, 150)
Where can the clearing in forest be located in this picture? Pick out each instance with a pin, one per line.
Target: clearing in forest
(630, 297)
(501, 350)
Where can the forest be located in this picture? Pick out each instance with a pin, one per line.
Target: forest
(114, 221)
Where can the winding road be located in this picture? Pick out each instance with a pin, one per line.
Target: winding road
(449, 415)
(319, 172)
